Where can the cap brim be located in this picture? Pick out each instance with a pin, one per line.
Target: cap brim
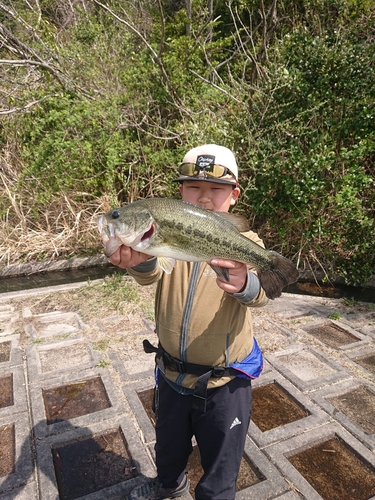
(215, 180)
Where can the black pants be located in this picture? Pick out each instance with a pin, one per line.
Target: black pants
(220, 434)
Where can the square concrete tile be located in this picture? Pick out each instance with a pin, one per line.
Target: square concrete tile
(280, 452)
(14, 380)
(23, 466)
(10, 352)
(357, 409)
(293, 306)
(46, 472)
(315, 416)
(133, 366)
(116, 405)
(307, 368)
(335, 334)
(364, 361)
(54, 324)
(368, 330)
(290, 495)
(45, 361)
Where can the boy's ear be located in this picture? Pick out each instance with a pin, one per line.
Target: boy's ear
(235, 194)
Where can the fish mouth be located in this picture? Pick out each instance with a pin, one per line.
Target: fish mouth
(113, 240)
(148, 234)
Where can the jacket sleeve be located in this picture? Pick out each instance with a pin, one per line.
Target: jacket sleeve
(146, 273)
(253, 295)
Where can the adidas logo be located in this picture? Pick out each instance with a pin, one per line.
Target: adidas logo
(235, 422)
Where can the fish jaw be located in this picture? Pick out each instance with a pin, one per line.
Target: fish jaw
(113, 238)
(111, 245)
(142, 242)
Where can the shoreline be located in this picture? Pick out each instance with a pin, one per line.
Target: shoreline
(100, 260)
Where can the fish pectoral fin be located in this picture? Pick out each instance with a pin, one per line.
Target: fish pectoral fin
(167, 264)
(222, 272)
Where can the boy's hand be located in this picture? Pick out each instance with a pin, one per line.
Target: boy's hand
(237, 275)
(125, 257)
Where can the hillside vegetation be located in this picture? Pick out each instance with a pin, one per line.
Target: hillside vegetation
(100, 101)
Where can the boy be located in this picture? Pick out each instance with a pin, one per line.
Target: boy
(204, 326)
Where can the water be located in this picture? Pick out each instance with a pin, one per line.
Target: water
(44, 279)
(330, 291)
(54, 278)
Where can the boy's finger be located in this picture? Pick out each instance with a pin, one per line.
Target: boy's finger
(230, 264)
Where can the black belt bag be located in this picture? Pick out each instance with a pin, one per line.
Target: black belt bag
(203, 372)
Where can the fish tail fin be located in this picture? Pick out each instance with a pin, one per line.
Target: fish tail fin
(283, 272)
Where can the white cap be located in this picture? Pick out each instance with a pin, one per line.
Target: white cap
(211, 154)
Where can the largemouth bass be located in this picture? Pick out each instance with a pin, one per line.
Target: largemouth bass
(173, 229)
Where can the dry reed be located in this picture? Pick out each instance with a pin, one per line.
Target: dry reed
(67, 227)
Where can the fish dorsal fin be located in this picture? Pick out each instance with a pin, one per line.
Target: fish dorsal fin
(166, 263)
(238, 221)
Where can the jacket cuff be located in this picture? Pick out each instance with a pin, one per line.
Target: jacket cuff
(251, 289)
(147, 266)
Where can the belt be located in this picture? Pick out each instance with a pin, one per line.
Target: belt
(204, 373)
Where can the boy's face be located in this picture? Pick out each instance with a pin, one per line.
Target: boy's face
(209, 195)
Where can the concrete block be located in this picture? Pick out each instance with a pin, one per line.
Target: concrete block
(360, 421)
(271, 483)
(15, 375)
(117, 406)
(278, 453)
(25, 492)
(54, 324)
(140, 367)
(315, 417)
(307, 368)
(10, 343)
(355, 339)
(23, 466)
(46, 361)
(294, 306)
(8, 319)
(271, 335)
(131, 392)
(46, 472)
(363, 361)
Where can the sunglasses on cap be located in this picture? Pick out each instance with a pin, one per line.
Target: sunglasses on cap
(212, 170)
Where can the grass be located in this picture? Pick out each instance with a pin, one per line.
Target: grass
(335, 315)
(115, 295)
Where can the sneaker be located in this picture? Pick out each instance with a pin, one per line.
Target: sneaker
(153, 490)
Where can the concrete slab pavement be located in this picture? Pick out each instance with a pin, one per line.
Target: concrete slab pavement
(300, 360)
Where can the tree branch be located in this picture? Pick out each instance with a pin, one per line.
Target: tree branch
(27, 106)
(156, 57)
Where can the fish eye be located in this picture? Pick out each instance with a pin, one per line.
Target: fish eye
(115, 214)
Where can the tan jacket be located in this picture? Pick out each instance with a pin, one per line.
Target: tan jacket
(196, 321)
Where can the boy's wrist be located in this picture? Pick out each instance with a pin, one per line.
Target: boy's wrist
(146, 266)
(250, 290)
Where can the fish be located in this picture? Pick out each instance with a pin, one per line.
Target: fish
(172, 229)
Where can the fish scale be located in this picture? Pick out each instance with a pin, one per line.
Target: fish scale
(173, 229)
